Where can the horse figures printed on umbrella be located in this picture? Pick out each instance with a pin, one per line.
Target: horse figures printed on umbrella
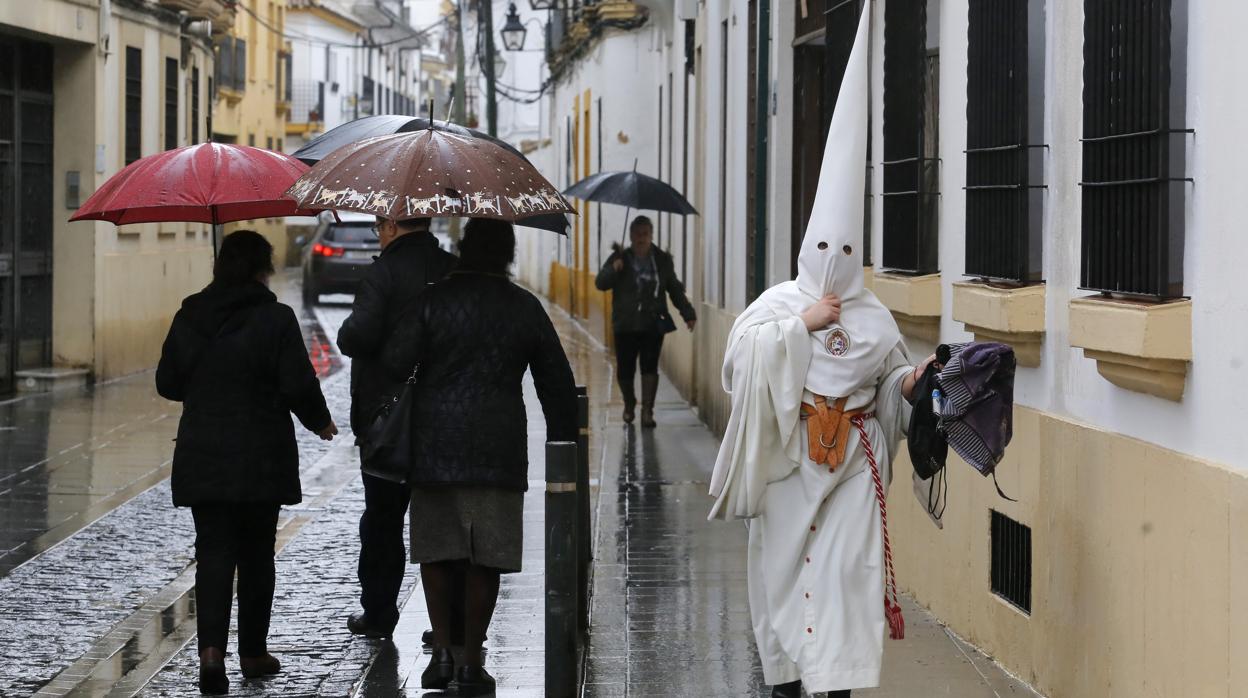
(518, 203)
(423, 207)
(381, 202)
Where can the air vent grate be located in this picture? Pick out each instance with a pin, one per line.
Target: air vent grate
(1011, 561)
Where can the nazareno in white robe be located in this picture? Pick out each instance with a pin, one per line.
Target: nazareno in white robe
(816, 549)
(822, 620)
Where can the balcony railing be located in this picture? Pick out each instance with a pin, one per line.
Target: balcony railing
(574, 27)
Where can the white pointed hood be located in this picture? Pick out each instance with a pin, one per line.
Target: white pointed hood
(849, 353)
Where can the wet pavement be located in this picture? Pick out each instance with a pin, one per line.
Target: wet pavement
(96, 569)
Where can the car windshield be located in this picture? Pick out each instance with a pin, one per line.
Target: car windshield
(360, 232)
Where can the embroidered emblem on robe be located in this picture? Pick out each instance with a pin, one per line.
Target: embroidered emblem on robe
(837, 342)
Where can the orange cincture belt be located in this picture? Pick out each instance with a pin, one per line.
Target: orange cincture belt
(827, 430)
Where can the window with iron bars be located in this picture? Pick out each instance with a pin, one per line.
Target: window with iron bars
(1134, 146)
(911, 166)
(171, 103)
(1004, 139)
(134, 104)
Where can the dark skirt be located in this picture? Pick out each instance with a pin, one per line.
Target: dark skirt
(483, 525)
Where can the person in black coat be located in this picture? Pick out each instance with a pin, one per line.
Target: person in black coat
(641, 279)
(235, 359)
(410, 261)
(473, 336)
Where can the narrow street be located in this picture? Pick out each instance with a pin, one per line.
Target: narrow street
(97, 594)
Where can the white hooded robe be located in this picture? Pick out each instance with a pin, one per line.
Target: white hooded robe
(815, 569)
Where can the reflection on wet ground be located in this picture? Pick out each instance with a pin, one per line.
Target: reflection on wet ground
(71, 456)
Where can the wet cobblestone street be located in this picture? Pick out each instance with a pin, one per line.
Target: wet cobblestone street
(108, 607)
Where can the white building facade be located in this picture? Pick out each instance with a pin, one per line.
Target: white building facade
(1023, 189)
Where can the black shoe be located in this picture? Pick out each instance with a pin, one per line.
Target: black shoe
(257, 667)
(792, 689)
(212, 678)
(358, 624)
(474, 681)
(440, 671)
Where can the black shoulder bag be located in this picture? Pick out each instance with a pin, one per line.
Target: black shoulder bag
(386, 450)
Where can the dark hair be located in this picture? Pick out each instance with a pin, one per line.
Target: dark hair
(244, 255)
(488, 245)
(638, 222)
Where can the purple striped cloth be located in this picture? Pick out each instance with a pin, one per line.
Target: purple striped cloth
(978, 411)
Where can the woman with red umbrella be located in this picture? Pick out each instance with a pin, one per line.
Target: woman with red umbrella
(235, 359)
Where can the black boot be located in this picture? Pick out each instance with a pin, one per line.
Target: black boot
(649, 389)
(630, 401)
(212, 678)
(440, 671)
(792, 689)
(474, 681)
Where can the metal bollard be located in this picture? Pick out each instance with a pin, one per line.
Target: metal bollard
(584, 532)
(561, 569)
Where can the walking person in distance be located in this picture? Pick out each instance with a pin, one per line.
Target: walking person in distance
(641, 278)
(235, 359)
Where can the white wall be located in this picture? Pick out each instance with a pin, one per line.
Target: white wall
(626, 68)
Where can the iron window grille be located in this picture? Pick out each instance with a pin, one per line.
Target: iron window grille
(194, 106)
(1011, 561)
(240, 65)
(1005, 132)
(224, 75)
(171, 103)
(911, 167)
(134, 104)
(1134, 147)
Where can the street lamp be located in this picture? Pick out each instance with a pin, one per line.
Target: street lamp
(500, 65)
(513, 30)
(542, 4)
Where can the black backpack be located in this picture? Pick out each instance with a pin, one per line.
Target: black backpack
(924, 438)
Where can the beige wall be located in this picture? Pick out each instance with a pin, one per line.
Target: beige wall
(1137, 572)
(114, 289)
(73, 244)
(140, 287)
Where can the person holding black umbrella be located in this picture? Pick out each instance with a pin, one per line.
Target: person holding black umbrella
(641, 278)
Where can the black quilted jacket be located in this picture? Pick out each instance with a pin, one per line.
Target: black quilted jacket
(403, 270)
(236, 361)
(474, 335)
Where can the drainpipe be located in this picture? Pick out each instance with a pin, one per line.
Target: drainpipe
(106, 18)
(762, 103)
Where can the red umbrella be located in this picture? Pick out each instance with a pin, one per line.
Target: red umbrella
(206, 183)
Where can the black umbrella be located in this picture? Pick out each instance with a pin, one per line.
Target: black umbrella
(386, 124)
(631, 189)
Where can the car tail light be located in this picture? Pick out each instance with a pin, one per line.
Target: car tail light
(327, 250)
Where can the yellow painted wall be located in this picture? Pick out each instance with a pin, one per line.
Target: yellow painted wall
(258, 115)
(1138, 570)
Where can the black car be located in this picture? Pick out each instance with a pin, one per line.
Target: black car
(335, 258)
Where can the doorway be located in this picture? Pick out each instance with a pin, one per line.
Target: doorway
(25, 207)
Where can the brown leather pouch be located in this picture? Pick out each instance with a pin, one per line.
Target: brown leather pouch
(827, 429)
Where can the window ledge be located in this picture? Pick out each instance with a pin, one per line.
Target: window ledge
(1138, 345)
(1013, 316)
(915, 302)
(230, 95)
